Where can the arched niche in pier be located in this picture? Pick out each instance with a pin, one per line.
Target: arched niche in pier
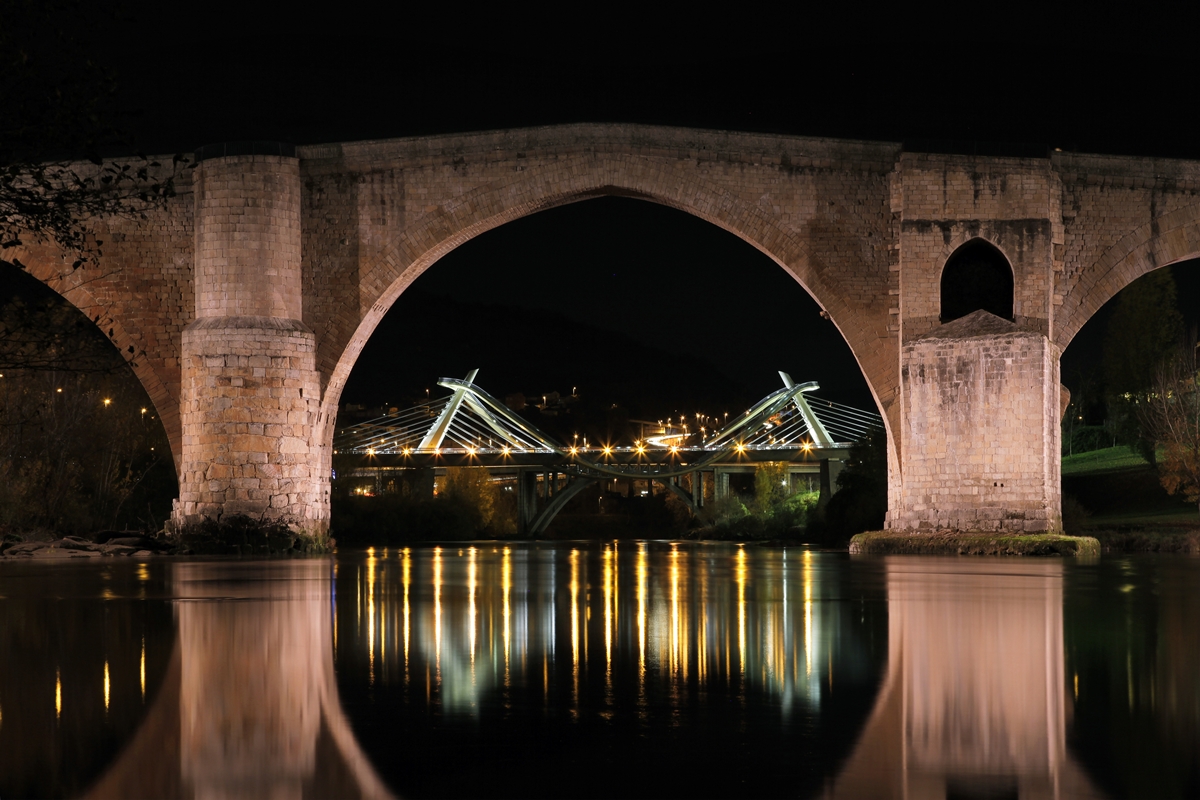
(977, 276)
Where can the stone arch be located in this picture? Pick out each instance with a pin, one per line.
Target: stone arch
(576, 179)
(977, 275)
(1165, 240)
(83, 291)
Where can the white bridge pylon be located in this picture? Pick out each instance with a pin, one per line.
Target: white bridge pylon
(471, 422)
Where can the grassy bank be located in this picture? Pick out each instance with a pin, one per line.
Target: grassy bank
(1124, 506)
(1137, 539)
(973, 544)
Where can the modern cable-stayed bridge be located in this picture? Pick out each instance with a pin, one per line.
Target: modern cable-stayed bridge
(471, 428)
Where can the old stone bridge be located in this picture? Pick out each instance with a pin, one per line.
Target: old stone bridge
(247, 298)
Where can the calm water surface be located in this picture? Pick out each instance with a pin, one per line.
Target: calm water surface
(629, 669)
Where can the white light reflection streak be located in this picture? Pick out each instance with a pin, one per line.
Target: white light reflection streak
(106, 686)
(143, 669)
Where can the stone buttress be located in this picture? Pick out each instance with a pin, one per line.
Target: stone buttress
(250, 388)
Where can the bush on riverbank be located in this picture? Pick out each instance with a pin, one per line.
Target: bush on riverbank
(778, 516)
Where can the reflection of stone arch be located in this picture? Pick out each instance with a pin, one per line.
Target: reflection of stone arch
(98, 297)
(976, 276)
(440, 230)
(975, 692)
(249, 706)
(1165, 240)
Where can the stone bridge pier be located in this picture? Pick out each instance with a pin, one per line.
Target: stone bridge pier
(250, 391)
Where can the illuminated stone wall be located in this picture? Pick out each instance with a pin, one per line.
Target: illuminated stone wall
(250, 392)
(303, 257)
(980, 429)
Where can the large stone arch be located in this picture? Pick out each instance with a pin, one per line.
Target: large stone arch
(428, 238)
(1164, 240)
(95, 294)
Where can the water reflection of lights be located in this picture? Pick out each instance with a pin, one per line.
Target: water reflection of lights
(371, 611)
(406, 579)
(696, 615)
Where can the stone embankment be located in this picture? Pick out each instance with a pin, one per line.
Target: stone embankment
(950, 543)
(75, 547)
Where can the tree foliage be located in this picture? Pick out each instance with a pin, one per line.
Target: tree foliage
(860, 504)
(40, 332)
(79, 453)
(1143, 334)
(55, 126)
(471, 488)
(1171, 415)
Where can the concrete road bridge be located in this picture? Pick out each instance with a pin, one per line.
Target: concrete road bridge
(245, 300)
(470, 428)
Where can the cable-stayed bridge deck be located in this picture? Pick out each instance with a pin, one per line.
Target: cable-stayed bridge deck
(471, 428)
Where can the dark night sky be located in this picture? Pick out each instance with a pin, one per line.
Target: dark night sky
(227, 72)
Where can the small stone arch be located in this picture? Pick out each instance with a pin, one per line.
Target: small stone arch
(976, 276)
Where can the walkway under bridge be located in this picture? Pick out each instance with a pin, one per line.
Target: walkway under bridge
(470, 428)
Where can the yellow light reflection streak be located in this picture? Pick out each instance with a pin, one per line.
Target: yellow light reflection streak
(143, 669)
(575, 625)
(807, 613)
(574, 559)
(106, 686)
(471, 602)
(740, 578)
(641, 601)
(675, 660)
(608, 613)
(371, 614)
(506, 587)
(437, 609)
(57, 694)
(406, 578)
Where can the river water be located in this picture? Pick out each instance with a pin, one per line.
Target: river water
(620, 669)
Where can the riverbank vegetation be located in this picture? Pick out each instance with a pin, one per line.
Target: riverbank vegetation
(973, 544)
(81, 453)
